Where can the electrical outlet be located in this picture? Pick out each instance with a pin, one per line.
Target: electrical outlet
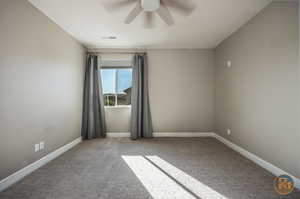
(228, 131)
(36, 147)
(42, 145)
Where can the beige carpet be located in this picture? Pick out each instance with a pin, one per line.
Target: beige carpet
(96, 170)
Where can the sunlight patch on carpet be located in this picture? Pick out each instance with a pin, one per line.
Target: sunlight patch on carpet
(158, 184)
(164, 181)
(195, 186)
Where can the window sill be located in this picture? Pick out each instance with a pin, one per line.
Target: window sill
(117, 107)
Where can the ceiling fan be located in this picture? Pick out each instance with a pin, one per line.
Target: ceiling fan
(149, 7)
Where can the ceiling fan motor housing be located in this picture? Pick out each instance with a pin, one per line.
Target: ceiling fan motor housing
(150, 5)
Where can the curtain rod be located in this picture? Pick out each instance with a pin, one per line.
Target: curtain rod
(131, 52)
(116, 51)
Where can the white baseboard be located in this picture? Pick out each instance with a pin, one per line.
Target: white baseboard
(118, 134)
(164, 134)
(266, 165)
(15, 177)
(183, 134)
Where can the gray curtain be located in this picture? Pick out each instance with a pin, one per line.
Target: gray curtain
(141, 122)
(93, 120)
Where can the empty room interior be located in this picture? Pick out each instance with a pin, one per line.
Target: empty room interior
(149, 99)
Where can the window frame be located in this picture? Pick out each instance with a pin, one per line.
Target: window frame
(117, 68)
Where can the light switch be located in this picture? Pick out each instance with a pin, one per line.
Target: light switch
(229, 64)
(42, 145)
(36, 147)
(228, 131)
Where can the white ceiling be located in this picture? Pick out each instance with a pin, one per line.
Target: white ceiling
(211, 23)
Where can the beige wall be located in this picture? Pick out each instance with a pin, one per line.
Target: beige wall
(181, 84)
(118, 119)
(298, 80)
(257, 97)
(41, 78)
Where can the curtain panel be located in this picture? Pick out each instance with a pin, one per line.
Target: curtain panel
(93, 119)
(141, 122)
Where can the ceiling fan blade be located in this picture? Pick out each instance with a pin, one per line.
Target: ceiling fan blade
(185, 7)
(165, 14)
(134, 13)
(148, 20)
(112, 5)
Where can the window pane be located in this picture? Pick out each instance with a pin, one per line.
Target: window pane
(109, 100)
(124, 99)
(124, 80)
(116, 85)
(108, 81)
(124, 85)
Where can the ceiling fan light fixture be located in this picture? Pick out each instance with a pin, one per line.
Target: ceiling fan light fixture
(150, 5)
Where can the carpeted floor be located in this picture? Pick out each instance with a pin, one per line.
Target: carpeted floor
(95, 170)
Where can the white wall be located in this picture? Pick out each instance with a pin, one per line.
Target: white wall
(181, 84)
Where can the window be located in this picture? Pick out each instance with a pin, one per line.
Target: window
(116, 84)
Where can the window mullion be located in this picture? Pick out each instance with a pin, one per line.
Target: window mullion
(116, 87)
